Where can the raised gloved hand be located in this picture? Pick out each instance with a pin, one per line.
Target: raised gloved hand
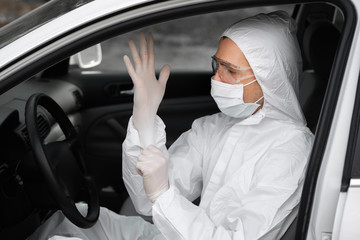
(148, 90)
(153, 166)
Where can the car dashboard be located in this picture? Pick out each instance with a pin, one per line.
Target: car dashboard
(17, 166)
(66, 94)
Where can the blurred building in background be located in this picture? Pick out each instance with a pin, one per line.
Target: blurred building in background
(185, 43)
(13, 9)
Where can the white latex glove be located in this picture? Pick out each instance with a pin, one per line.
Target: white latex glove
(153, 166)
(148, 90)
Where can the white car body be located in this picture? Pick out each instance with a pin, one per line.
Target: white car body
(335, 214)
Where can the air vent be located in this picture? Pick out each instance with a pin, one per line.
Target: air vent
(78, 98)
(25, 135)
(43, 126)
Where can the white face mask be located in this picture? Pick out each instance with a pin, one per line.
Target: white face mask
(230, 99)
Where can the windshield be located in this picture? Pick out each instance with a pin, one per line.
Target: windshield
(36, 18)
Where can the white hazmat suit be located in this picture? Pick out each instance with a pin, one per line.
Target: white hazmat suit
(248, 172)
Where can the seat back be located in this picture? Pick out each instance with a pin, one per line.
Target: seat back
(320, 43)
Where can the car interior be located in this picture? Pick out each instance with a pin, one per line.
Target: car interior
(98, 103)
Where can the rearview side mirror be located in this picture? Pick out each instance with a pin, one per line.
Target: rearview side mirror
(88, 58)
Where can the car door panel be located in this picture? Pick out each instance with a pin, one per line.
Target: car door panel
(106, 88)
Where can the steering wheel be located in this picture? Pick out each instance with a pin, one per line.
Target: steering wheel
(62, 163)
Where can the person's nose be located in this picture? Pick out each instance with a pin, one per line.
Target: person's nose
(217, 76)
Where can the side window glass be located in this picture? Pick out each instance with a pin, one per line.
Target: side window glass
(183, 47)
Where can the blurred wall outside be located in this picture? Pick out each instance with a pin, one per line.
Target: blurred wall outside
(13, 9)
(184, 44)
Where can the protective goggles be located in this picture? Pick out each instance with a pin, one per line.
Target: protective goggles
(227, 71)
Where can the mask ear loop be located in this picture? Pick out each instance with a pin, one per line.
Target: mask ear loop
(259, 99)
(243, 78)
(251, 83)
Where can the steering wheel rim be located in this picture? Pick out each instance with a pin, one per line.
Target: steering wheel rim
(59, 185)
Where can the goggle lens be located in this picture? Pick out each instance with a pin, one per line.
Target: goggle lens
(214, 65)
(231, 76)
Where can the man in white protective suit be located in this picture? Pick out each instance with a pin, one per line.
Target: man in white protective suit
(247, 162)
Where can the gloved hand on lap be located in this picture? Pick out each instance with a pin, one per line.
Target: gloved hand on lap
(153, 166)
(149, 91)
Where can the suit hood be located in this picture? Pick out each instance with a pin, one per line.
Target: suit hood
(269, 43)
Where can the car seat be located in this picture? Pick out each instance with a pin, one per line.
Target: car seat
(319, 45)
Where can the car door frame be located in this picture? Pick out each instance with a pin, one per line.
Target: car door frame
(94, 32)
(319, 201)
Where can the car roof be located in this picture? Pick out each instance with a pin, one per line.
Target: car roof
(36, 18)
(50, 21)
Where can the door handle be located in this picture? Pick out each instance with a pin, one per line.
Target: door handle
(116, 89)
(127, 92)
